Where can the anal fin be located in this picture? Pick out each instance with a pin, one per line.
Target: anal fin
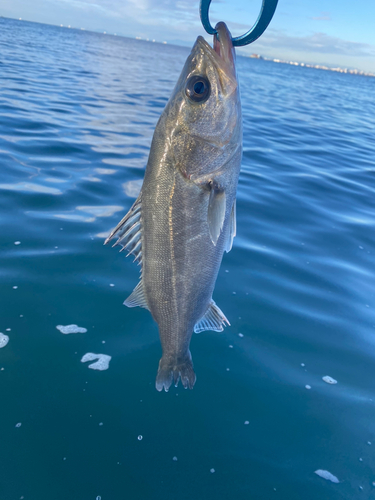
(214, 319)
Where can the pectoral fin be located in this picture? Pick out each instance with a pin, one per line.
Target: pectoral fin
(232, 229)
(214, 319)
(216, 212)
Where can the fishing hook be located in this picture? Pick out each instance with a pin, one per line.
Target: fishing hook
(266, 13)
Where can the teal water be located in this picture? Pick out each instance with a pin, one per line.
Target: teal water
(77, 113)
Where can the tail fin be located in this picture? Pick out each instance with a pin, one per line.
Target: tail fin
(171, 371)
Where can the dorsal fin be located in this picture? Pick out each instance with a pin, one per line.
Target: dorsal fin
(129, 231)
(129, 236)
(214, 319)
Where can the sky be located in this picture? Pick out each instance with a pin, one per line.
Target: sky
(338, 33)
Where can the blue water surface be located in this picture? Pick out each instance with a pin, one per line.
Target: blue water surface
(77, 114)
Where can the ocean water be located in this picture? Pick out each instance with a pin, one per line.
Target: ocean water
(77, 114)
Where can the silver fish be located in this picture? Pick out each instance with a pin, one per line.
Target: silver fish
(185, 216)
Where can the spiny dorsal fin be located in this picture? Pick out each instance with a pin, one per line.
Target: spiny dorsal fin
(232, 229)
(216, 213)
(214, 319)
(129, 231)
(137, 297)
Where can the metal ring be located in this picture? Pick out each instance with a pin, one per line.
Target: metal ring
(266, 13)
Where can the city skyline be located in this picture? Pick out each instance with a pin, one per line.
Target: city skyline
(329, 33)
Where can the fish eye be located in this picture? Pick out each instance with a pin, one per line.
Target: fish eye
(198, 88)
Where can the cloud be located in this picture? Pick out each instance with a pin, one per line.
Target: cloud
(143, 10)
(316, 43)
(85, 5)
(178, 19)
(324, 16)
(163, 18)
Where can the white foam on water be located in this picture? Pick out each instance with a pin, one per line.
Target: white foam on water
(101, 364)
(17, 243)
(308, 386)
(327, 475)
(71, 329)
(4, 339)
(329, 380)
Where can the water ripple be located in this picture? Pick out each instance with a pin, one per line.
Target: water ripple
(78, 110)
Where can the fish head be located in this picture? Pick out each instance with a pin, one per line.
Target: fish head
(204, 111)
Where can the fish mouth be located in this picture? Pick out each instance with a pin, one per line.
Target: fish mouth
(223, 53)
(223, 45)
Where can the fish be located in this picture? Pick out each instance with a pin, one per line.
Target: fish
(184, 218)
